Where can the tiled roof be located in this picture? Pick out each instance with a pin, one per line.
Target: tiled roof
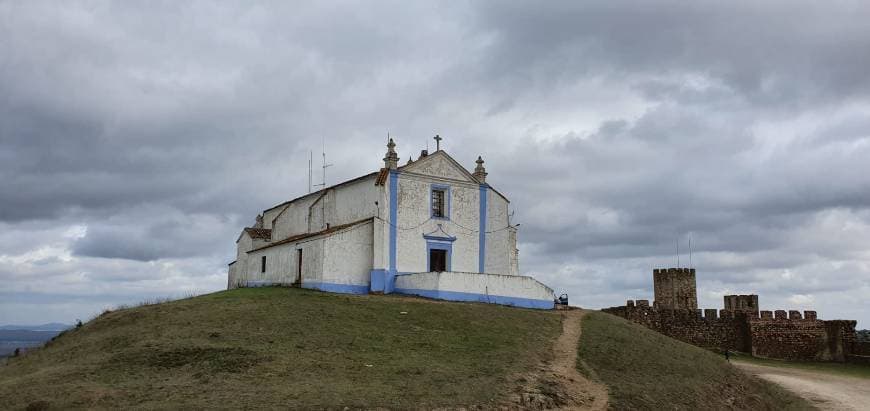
(382, 177)
(262, 233)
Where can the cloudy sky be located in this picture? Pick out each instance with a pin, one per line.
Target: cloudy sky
(137, 139)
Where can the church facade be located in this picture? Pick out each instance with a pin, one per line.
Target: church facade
(428, 228)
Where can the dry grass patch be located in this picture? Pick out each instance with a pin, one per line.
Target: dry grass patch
(647, 370)
(285, 348)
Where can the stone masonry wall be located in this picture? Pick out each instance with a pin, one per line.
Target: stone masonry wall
(784, 336)
(714, 330)
(796, 338)
(675, 288)
(741, 303)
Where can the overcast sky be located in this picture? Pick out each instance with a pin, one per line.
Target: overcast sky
(137, 139)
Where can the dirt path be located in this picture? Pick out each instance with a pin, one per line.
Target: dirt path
(558, 385)
(824, 390)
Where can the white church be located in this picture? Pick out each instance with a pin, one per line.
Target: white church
(428, 228)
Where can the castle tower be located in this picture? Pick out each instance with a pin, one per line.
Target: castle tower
(675, 288)
(742, 303)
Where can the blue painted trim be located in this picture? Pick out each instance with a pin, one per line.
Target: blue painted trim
(481, 241)
(437, 245)
(378, 277)
(337, 288)
(446, 189)
(482, 298)
(390, 277)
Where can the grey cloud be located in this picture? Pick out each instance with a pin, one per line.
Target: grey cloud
(614, 128)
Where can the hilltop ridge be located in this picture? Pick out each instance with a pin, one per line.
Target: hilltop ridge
(293, 348)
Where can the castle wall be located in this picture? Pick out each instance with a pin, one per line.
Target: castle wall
(780, 336)
(711, 330)
(745, 303)
(801, 339)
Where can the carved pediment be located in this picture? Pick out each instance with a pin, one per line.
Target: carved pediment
(439, 164)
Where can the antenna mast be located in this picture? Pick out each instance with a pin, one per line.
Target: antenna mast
(310, 160)
(678, 252)
(324, 166)
(690, 249)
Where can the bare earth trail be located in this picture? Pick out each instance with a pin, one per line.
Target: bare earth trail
(558, 385)
(824, 390)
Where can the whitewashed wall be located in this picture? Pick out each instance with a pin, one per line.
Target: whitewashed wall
(355, 201)
(237, 272)
(348, 256)
(270, 214)
(500, 289)
(233, 280)
(514, 252)
(293, 220)
(414, 209)
(498, 247)
(342, 257)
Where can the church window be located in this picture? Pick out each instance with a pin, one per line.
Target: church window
(437, 203)
(263, 264)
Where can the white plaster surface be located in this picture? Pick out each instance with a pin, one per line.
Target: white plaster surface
(341, 257)
(477, 283)
(348, 256)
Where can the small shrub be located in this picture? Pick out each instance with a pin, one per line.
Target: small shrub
(79, 323)
(17, 352)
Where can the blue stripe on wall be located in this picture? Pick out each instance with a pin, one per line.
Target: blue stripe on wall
(481, 262)
(483, 298)
(394, 217)
(377, 280)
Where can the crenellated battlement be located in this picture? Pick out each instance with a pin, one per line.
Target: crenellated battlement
(675, 288)
(740, 325)
(745, 303)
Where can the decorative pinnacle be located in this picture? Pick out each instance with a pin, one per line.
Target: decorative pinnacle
(480, 172)
(391, 160)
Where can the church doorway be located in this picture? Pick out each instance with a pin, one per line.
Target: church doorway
(298, 280)
(437, 260)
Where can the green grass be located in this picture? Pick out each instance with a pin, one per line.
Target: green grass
(647, 370)
(849, 370)
(285, 348)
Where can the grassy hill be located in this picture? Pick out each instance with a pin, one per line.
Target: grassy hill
(300, 349)
(284, 348)
(647, 370)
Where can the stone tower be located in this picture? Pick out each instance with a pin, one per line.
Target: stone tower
(675, 288)
(742, 303)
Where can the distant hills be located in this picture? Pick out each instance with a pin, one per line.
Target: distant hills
(24, 337)
(41, 327)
